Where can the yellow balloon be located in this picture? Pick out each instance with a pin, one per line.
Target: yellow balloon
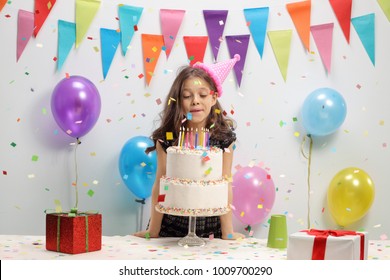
(350, 194)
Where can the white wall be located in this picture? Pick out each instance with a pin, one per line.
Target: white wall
(264, 100)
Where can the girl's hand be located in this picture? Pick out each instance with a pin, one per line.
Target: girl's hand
(233, 236)
(145, 234)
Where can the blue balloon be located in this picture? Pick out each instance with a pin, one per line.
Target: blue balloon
(323, 112)
(138, 169)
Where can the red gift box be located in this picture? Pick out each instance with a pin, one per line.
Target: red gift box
(73, 234)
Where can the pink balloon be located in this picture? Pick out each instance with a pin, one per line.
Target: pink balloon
(253, 194)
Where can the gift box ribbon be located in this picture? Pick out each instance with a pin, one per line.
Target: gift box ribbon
(321, 236)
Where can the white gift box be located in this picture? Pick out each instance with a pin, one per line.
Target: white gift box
(342, 247)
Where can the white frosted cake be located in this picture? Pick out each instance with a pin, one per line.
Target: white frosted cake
(193, 184)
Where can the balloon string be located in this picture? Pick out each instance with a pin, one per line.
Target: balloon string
(308, 157)
(142, 201)
(76, 172)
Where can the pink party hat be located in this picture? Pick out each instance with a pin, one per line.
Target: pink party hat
(219, 71)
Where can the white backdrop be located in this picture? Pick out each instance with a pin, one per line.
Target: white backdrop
(264, 107)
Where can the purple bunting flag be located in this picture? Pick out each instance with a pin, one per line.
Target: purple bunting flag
(238, 44)
(215, 24)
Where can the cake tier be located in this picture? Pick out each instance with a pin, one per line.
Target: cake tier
(194, 164)
(193, 197)
(206, 212)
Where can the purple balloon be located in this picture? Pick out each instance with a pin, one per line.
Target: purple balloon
(75, 104)
(253, 194)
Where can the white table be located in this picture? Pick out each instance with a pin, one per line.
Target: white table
(18, 247)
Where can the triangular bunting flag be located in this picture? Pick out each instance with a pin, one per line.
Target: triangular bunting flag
(257, 19)
(215, 24)
(280, 42)
(2, 4)
(323, 37)
(66, 39)
(129, 17)
(365, 28)
(151, 47)
(42, 10)
(385, 5)
(195, 47)
(109, 39)
(300, 15)
(342, 10)
(25, 31)
(238, 44)
(170, 25)
(85, 13)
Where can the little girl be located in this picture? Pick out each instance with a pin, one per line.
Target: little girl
(193, 97)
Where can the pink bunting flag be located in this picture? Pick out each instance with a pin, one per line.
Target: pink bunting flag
(238, 44)
(195, 47)
(170, 24)
(25, 31)
(342, 10)
(42, 10)
(323, 35)
(215, 24)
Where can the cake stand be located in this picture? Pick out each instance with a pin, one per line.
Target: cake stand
(191, 239)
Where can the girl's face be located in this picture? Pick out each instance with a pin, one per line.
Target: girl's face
(197, 99)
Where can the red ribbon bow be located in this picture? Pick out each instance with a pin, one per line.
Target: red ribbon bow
(321, 237)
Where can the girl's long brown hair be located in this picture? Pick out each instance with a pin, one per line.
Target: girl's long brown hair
(172, 115)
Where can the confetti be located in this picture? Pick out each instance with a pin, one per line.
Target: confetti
(13, 144)
(169, 136)
(189, 116)
(34, 158)
(90, 193)
(158, 101)
(242, 214)
(5, 172)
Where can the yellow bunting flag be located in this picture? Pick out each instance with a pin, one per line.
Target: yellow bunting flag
(85, 13)
(280, 42)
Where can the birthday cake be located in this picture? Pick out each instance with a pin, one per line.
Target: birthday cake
(193, 184)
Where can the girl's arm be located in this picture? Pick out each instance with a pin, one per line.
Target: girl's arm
(227, 219)
(156, 217)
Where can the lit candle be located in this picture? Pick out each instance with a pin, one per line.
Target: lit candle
(201, 139)
(186, 145)
(208, 139)
(196, 138)
(182, 138)
(191, 138)
(179, 139)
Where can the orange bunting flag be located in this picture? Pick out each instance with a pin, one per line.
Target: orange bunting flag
(151, 47)
(195, 47)
(300, 15)
(42, 10)
(342, 10)
(2, 4)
